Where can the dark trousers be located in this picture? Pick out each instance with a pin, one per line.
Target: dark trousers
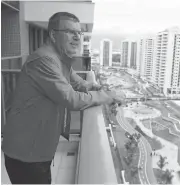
(28, 173)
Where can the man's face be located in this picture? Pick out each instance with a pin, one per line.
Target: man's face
(67, 37)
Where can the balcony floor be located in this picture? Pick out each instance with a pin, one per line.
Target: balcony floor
(64, 169)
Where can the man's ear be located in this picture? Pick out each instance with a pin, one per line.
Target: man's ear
(52, 36)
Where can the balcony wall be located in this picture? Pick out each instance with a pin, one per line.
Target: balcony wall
(95, 163)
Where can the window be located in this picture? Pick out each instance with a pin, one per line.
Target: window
(37, 37)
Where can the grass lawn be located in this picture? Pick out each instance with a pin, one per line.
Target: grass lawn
(145, 92)
(174, 105)
(164, 111)
(158, 174)
(168, 123)
(174, 121)
(147, 124)
(176, 109)
(117, 162)
(152, 141)
(115, 155)
(117, 165)
(121, 139)
(132, 122)
(158, 105)
(169, 137)
(177, 116)
(143, 110)
(152, 89)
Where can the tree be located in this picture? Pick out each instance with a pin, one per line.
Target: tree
(130, 150)
(131, 145)
(162, 162)
(129, 158)
(128, 145)
(167, 177)
(134, 171)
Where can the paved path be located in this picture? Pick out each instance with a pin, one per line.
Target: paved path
(146, 175)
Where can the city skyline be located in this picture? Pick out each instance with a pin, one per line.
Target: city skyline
(155, 58)
(118, 39)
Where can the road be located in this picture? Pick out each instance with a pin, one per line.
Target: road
(146, 175)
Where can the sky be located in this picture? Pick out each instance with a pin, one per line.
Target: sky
(135, 16)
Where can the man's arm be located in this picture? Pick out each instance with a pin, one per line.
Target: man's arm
(77, 82)
(45, 74)
(82, 85)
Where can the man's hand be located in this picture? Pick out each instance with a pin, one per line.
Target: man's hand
(90, 87)
(96, 87)
(116, 99)
(93, 87)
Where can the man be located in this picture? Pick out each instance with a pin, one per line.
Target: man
(47, 90)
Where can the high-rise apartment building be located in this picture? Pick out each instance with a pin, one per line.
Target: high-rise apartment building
(175, 80)
(106, 52)
(145, 57)
(128, 54)
(125, 53)
(133, 57)
(166, 64)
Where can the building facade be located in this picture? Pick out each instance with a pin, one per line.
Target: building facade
(146, 53)
(125, 54)
(133, 57)
(166, 64)
(129, 54)
(106, 52)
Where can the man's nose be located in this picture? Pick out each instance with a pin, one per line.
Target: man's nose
(76, 36)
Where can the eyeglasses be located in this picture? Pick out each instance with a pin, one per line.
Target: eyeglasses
(71, 32)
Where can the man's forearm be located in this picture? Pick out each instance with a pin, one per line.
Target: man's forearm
(78, 83)
(55, 86)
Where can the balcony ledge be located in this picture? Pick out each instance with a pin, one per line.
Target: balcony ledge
(95, 163)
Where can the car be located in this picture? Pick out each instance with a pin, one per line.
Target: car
(136, 136)
(128, 135)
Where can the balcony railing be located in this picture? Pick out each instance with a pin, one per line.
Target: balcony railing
(95, 164)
